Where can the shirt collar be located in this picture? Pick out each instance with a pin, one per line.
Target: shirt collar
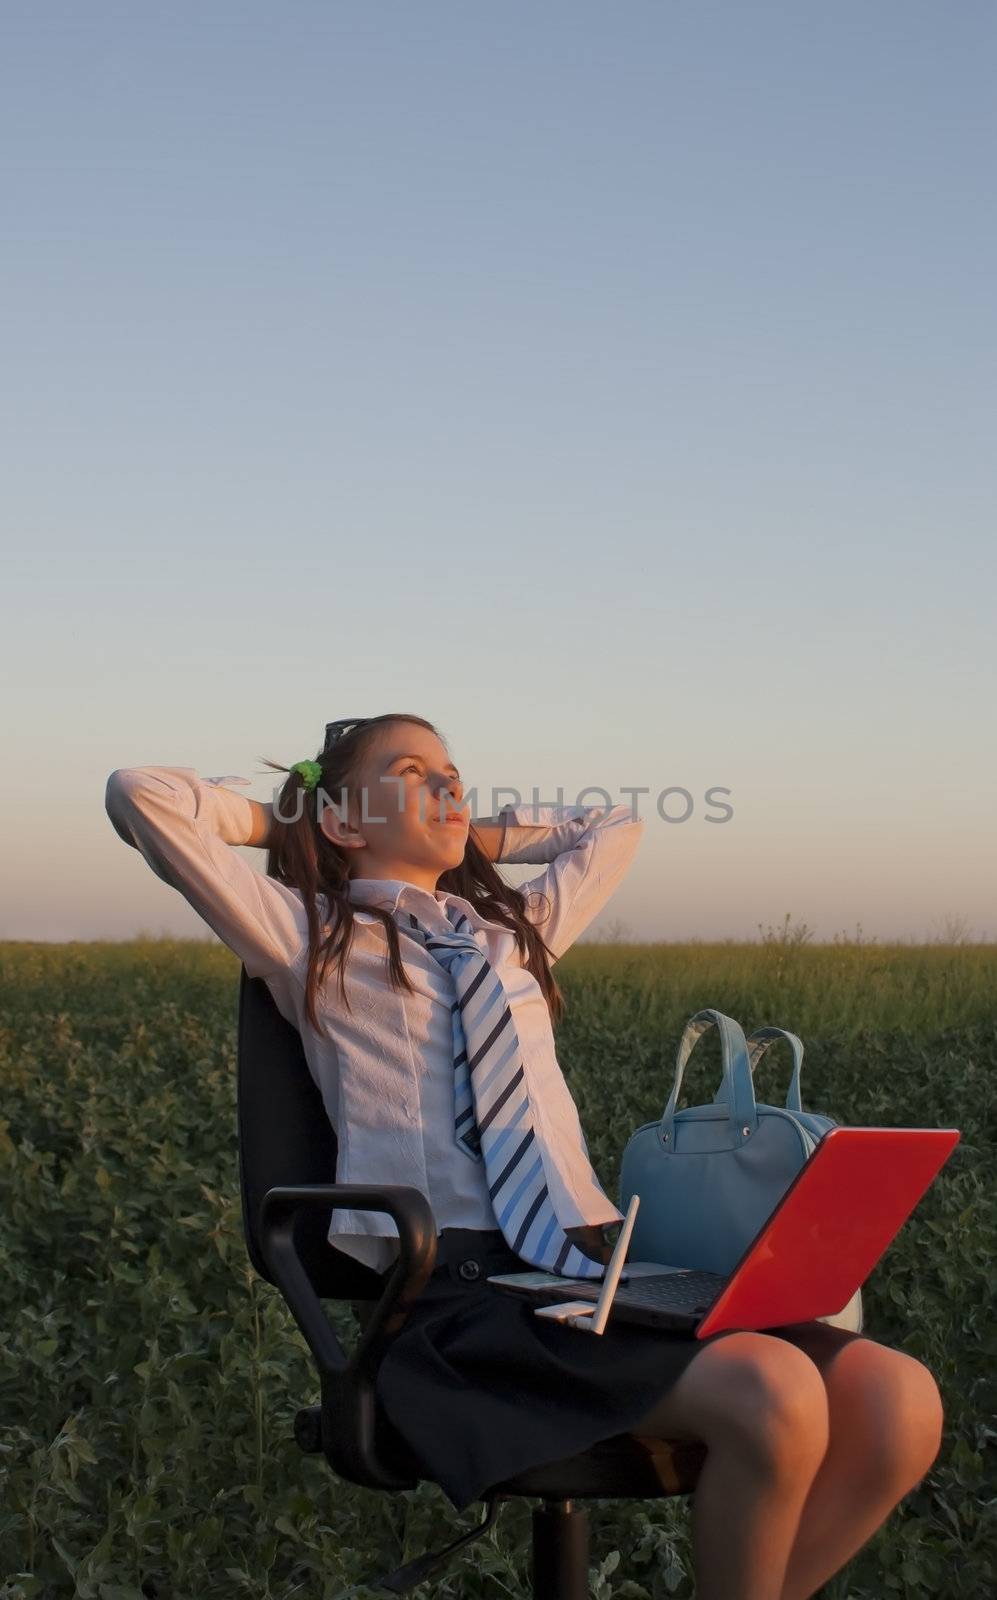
(389, 893)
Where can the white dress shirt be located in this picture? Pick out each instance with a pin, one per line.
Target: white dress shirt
(385, 1071)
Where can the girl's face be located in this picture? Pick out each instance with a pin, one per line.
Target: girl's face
(404, 809)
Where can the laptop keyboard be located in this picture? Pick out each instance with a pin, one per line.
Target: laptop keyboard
(686, 1291)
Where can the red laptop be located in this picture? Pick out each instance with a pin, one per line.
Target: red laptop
(844, 1207)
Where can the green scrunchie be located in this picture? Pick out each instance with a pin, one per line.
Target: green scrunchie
(310, 771)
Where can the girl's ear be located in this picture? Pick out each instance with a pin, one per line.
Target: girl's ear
(339, 830)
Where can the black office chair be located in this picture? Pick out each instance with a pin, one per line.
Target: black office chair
(287, 1151)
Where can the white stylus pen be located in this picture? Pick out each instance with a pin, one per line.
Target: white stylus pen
(581, 1313)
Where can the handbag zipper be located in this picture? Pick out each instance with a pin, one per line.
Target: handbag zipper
(807, 1139)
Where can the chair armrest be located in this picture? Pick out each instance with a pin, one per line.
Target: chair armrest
(417, 1234)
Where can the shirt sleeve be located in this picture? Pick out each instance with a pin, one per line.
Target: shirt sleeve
(186, 826)
(589, 849)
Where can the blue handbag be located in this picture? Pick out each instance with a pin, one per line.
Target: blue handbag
(709, 1176)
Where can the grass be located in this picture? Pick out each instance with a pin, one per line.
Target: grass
(150, 1379)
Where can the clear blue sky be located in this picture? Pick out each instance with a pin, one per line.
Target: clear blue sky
(612, 385)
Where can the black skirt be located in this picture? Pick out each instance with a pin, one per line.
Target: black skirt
(476, 1388)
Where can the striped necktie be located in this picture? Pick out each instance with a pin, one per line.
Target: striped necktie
(492, 1116)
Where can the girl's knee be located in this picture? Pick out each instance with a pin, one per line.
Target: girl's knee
(900, 1407)
(769, 1398)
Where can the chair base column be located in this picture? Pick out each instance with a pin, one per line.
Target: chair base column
(560, 1551)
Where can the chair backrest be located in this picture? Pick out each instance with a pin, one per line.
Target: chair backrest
(285, 1138)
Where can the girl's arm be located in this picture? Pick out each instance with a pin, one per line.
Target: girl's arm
(185, 827)
(589, 848)
(489, 833)
(261, 824)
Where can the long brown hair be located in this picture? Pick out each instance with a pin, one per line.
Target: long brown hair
(303, 857)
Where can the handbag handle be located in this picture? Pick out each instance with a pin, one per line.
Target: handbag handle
(737, 1088)
(761, 1040)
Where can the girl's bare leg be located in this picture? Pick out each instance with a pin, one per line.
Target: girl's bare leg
(760, 1405)
(886, 1422)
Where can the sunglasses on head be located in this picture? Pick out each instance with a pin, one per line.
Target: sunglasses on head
(335, 730)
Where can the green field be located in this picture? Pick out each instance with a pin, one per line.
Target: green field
(150, 1379)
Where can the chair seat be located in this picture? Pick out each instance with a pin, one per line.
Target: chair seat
(624, 1465)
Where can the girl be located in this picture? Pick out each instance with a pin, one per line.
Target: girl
(379, 901)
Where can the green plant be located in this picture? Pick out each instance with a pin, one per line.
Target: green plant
(149, 1379)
